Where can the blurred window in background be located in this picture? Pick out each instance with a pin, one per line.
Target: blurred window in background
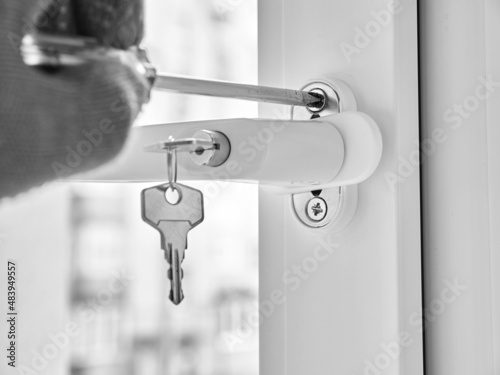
(139, 331)
(136, 330)
(87, 260)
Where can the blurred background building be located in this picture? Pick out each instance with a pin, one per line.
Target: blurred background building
(86, 235)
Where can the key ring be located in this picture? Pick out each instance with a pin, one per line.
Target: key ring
(172, 164)
(172, 146)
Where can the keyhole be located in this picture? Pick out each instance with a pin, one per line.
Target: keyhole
(172, 195)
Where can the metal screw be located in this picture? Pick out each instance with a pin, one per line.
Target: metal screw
(322, 94)
(316, 209)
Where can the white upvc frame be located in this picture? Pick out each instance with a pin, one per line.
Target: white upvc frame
(368, 292)
(460, 52)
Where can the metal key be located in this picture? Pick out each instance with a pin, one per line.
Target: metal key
(173, 221)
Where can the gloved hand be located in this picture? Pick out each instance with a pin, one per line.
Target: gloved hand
(54, 124)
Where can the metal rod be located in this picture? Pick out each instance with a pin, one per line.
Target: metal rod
(239, 91)
(54, 50)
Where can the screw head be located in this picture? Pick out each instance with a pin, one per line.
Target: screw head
(316, 209)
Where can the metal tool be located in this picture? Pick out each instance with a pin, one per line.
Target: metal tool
(40, 49)
(312, 100)
(173, 210)
(57, 51)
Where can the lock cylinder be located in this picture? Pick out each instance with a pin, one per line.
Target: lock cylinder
(214, 156)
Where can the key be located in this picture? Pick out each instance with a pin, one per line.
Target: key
(173, 221)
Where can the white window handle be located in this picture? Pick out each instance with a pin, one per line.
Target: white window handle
(293, 156)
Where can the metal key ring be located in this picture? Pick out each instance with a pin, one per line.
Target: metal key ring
(172, 167)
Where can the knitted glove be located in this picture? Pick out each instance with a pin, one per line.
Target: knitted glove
(55, 124)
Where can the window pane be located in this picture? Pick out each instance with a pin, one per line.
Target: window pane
(139, 331)
(93, 286)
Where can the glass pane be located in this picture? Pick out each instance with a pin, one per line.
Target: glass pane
(94, 289)
(140, 331)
